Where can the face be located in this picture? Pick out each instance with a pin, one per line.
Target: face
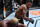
(29, 4)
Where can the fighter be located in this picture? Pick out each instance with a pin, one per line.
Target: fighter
(20, 15)
(22, 10)
(13, 22)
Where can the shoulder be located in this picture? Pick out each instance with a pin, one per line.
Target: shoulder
(23, 5)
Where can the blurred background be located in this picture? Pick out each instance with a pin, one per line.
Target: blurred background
(36, 3)
(12, 5)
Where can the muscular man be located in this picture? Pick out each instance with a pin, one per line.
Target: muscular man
(13, 22)
(22, 10)
(20, 14)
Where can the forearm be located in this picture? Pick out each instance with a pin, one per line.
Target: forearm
(27, 19)
(24, 13)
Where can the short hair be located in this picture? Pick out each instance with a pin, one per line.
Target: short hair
(13, 19)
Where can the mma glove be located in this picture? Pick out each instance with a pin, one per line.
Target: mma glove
(31, 20)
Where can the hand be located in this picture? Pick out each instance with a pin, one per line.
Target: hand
(31, 20)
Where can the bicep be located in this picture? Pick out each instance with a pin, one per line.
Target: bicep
(20, 8)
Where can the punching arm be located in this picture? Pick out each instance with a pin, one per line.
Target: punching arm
(27, 19)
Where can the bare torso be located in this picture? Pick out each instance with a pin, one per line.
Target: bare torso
(19, 13)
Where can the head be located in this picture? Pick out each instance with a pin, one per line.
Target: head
(29, 3)
(13, 20)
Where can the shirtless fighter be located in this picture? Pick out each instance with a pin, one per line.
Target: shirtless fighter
(22, 10)
(20, 14)
(13, 22)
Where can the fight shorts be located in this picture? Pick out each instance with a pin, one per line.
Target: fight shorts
(21, 20)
